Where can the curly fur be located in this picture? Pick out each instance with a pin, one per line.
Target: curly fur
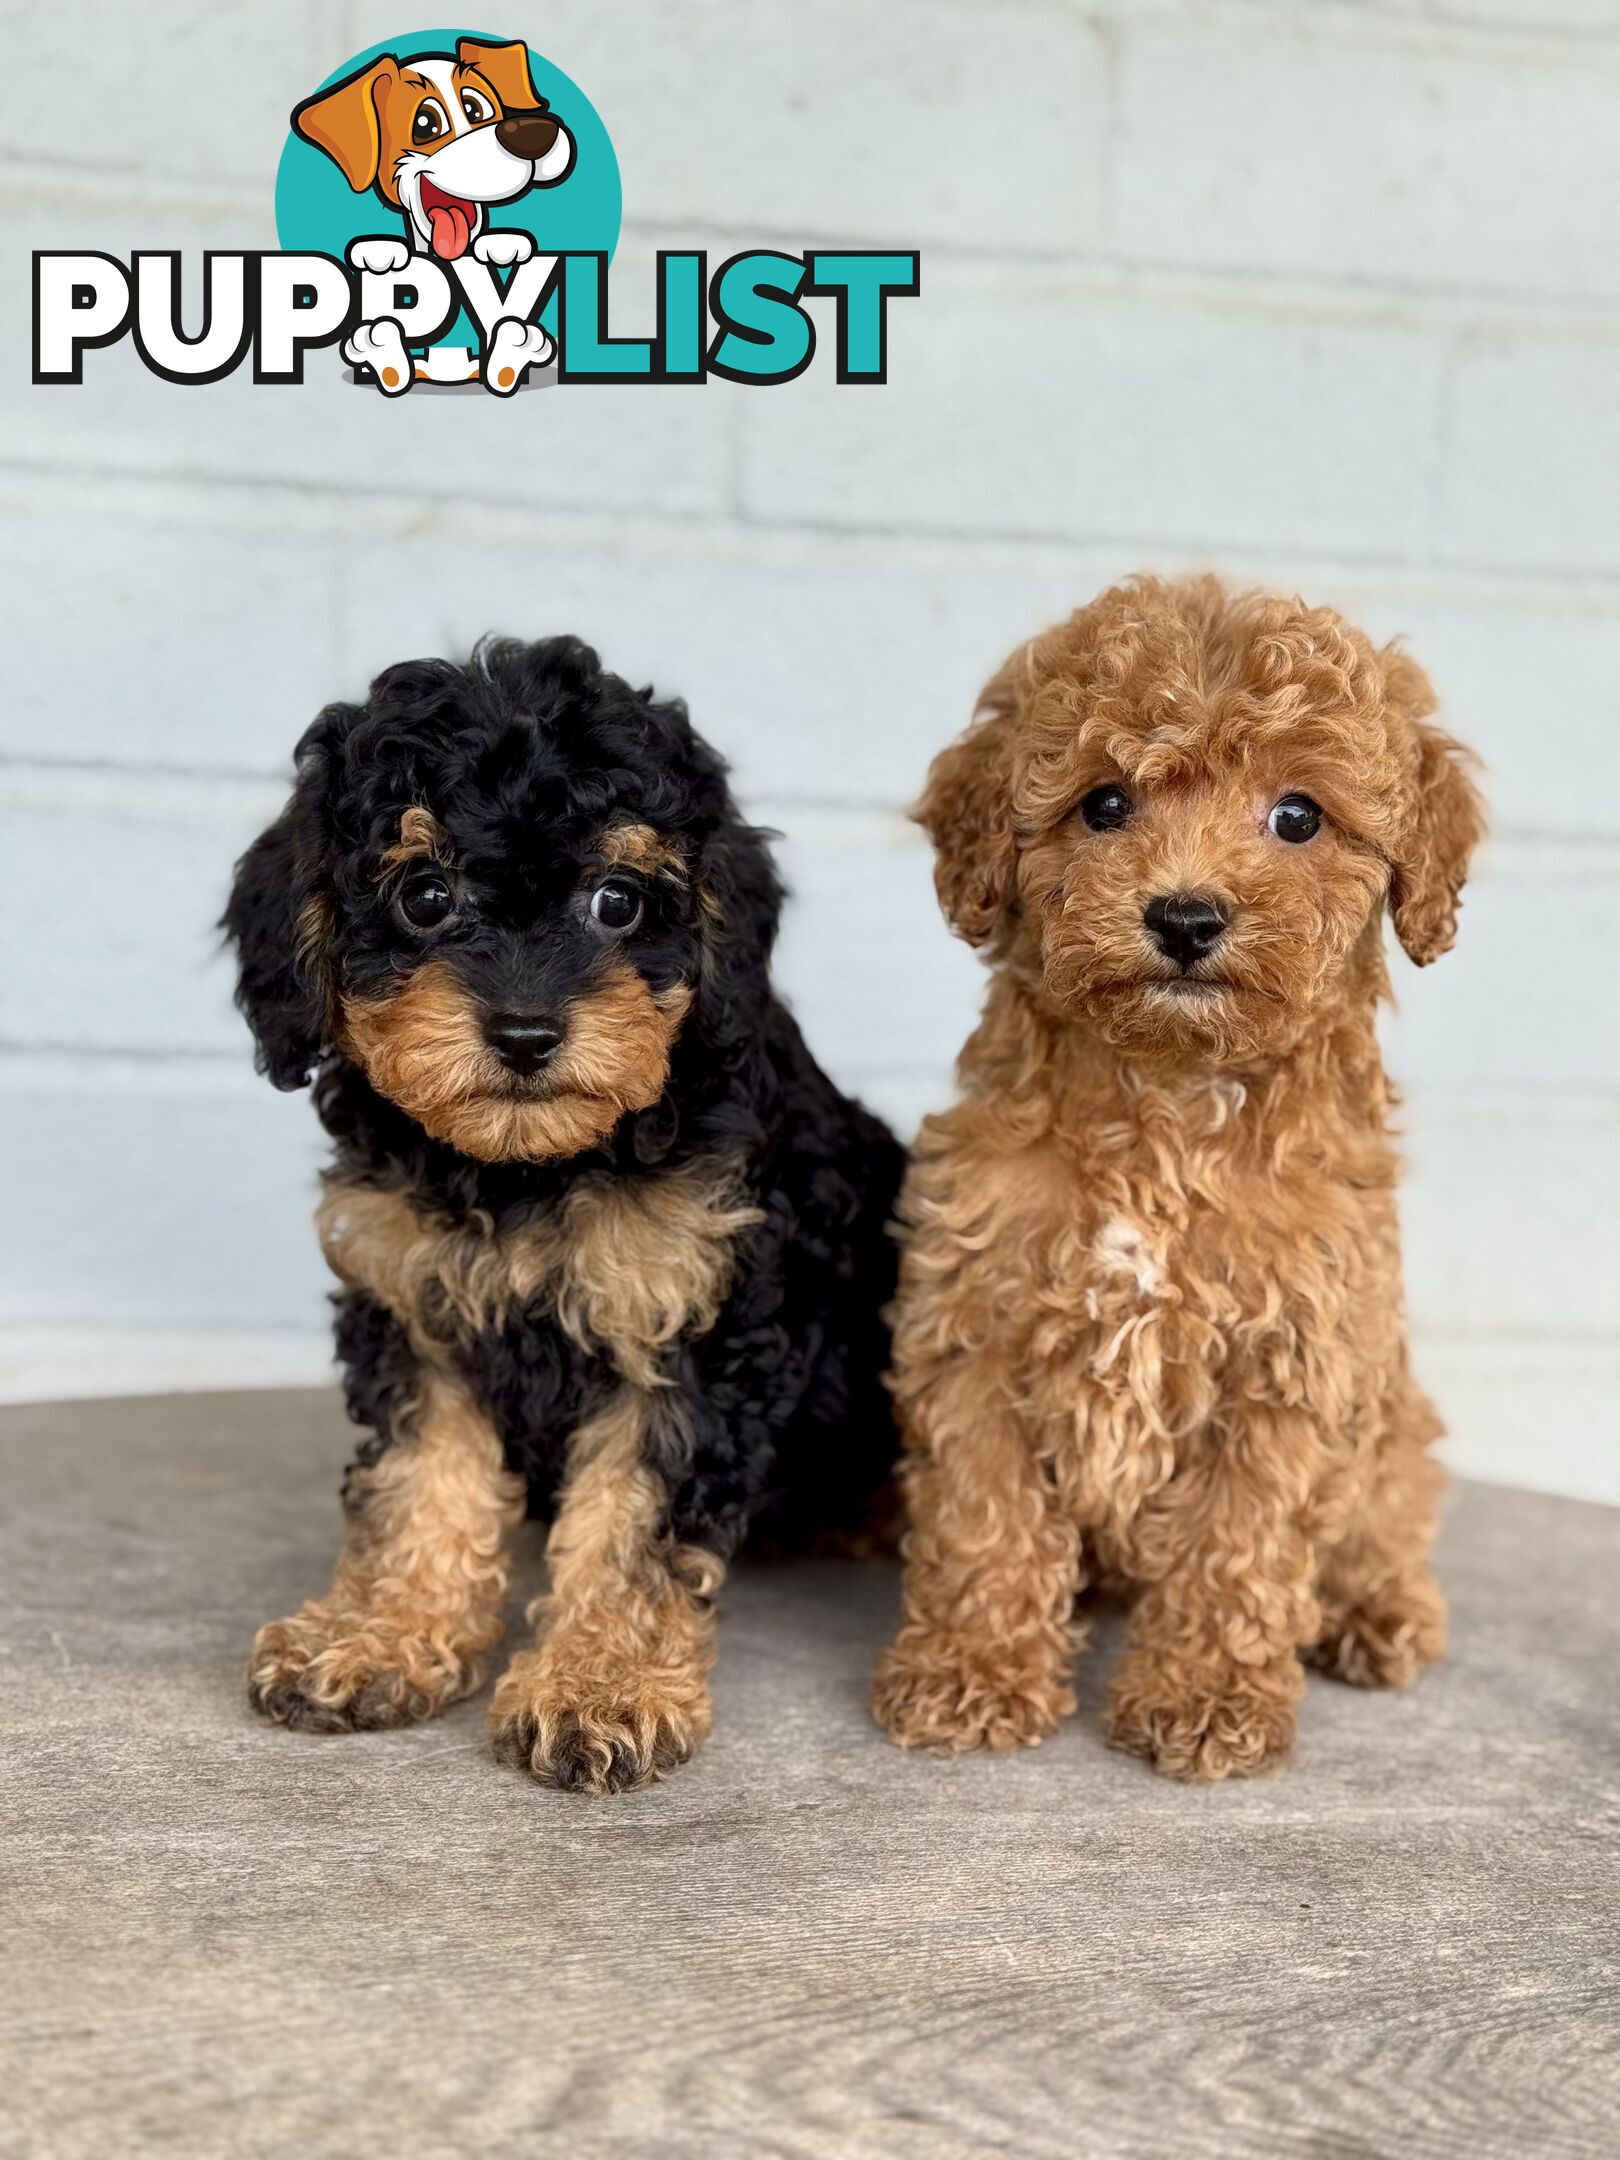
(1149, 1329)
(638, 1290)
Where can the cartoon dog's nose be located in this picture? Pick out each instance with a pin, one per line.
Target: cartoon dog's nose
(1185, 925)
(522, 1041)
(526, 134)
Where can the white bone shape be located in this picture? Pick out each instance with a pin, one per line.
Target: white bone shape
(503, 247)
(380, 347)
(378, 256)
(513, 350)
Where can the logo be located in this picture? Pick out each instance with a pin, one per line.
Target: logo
(448, 208)
(430, 168)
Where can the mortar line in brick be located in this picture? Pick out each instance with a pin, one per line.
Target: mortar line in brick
(1415, 562)
(1000, 547)
(1420, 297)
(1110, 36)
(1454, 354)
(36, 775)
(1448, 27)
(1345, 292)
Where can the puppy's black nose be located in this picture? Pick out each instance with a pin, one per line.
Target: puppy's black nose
(522, 1041)
(1185, 925)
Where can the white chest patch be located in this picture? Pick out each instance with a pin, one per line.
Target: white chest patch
(1120, 1249)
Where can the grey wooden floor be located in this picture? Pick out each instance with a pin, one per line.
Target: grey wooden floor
(217, 1939)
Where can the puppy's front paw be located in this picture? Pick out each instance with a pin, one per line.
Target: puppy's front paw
(1385, 1640)
(932, 1691)
(331, 1669)
(596, 1733)
(1208, 1723)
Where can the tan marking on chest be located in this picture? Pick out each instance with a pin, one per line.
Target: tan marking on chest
(640, 1263)
(626, 1266)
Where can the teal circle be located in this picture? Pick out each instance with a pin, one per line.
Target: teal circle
(317, 212)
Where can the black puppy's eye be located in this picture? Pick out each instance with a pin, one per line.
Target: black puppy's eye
(478, 109)
(430, 122)
(426, 900)
(616, 906)
(1106, 808)
(1296, 818)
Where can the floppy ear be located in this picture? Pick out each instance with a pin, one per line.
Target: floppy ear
(966, 810)
(1444, 825)
(345, 121)
(505, 68)
(279, 918)
(739, 899)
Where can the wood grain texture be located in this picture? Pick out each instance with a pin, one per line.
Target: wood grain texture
(218, 1938)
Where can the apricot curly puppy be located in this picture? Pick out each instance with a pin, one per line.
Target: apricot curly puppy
(1149, 1329)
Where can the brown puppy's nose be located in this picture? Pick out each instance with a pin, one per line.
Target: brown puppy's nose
(526, 134)
(1185, 925)
(522, 1041)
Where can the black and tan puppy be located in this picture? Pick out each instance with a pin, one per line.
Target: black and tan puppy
(612, 1244)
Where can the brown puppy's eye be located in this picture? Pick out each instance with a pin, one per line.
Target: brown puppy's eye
(430, 123)
(426, 900)
(616, 906)
(1296, 819)
(478, 109)
(1106, 808)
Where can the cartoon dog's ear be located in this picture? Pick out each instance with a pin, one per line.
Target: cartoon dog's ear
(505, 68)
(537, 132)
(966, 810)
(279, 918)
(346, 121)
(1444, 825)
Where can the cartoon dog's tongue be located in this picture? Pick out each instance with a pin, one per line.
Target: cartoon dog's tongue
(449, 219)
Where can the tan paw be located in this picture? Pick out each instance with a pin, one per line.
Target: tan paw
(931, 1691)
(1232, 1721)
(334, 1669)
(1384, 1641)
(595, 1733)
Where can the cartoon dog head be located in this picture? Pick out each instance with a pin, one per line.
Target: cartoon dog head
(513, 895)
(439, 135)
(1180, 814)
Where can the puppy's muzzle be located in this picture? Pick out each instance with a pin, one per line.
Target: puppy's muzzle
(526, 134)
(1186, 927)
(524, 1042)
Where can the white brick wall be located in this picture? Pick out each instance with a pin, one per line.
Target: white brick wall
(1326, 295)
